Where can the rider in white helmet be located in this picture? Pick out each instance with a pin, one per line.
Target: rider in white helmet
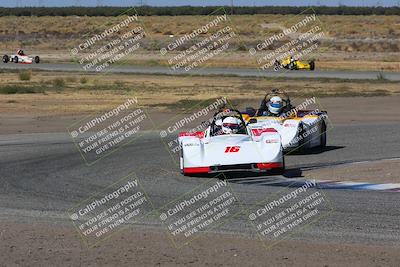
(292, 62)
(275, 105)
(230, 125)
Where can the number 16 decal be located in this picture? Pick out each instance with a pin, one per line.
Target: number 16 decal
(232, 149)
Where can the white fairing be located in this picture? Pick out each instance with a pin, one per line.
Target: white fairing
(22, 59)
(304, 132)
(231, 149)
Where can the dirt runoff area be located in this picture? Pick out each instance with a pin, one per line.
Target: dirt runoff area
(37, 244)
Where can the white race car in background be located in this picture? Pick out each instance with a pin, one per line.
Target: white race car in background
(301, 130)
(20, 58)
(247, 150)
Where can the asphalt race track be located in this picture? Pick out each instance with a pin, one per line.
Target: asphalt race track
(392, 76)
(44, 175)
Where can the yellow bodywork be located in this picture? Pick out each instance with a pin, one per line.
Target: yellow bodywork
(298, 65)
(247, 118)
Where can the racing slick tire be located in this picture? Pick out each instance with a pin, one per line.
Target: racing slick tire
(301, 148)
(323, 135)
(251, 111)
(6, 59)
(181, 161)
(277, 65)
(15, 59)
(37, 59)
(312, 65)
(281, 171)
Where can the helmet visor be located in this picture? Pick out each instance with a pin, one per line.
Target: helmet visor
(276, 105)
(231, 125)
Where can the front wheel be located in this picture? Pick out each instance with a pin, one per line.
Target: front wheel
(6, 59)
(37, 59)
(292, 66)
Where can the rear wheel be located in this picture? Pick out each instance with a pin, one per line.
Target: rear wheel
(37, 59)
(281, 171)
(6, 59)
(312, 65)
(15, 59)
(323, 135)
(302, 139)
(181, 162)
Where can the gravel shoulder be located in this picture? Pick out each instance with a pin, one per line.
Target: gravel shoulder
(58, 245)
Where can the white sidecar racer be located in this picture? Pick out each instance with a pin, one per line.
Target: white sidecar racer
(299, 129)
(212, 151)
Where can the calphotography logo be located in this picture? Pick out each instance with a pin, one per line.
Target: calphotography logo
(288, 211)
(115, 44)
(108, 211)
(74, 217)
(99, 135)
(193, 121)
(206, 207)
(202, 44)
(292, 44)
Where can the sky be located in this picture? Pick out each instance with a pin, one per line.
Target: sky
(14, 3)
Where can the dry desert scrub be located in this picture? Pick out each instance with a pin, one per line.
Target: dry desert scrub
(165, 92)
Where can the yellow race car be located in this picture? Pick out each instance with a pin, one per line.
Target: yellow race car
(294, 64)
